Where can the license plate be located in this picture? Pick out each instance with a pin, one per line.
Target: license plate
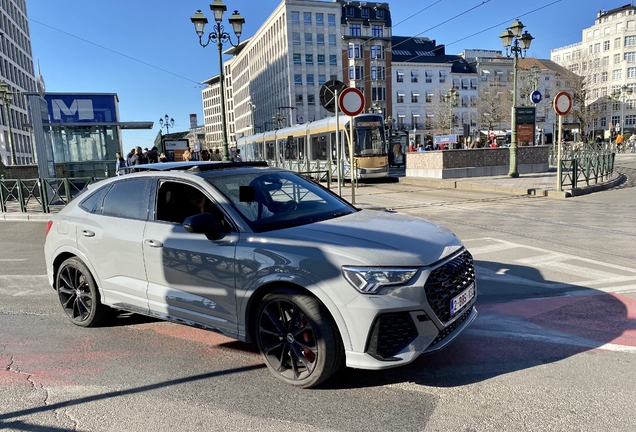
(462, 299)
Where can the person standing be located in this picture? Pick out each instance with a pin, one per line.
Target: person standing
(411, 147)
(217, 156)
(120, 163)
(237, 156)
(187, 155)
(139, 158)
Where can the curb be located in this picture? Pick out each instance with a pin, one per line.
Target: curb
(22, 217)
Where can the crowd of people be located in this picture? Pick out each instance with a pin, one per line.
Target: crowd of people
(137, 156)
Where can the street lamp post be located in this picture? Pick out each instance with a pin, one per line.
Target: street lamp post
(621, 96)
(166, 122)
(7, 95)
(219, 36)
(451, 98)
(516, 45)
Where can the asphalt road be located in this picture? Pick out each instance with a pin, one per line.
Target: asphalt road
(554, 346)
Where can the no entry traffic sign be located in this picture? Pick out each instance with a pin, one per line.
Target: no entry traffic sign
(351, 101)
(563, 103)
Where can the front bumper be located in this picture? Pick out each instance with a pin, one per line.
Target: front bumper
(394, 329)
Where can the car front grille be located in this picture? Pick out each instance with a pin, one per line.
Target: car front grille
(390, 333)
(446, 282)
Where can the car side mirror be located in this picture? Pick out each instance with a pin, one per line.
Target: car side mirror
(203, 223)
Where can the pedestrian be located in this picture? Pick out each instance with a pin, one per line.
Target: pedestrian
(237, 156)
(153, 155)
(129, 157)
(187, 155)
(120, 164)
(217, 155)
(411, 146)
(163, 158)
(139, 158)
(205, 155)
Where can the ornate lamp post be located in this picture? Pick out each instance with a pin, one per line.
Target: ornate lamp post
(516, 45)
(7, 96)
(621, 95)
(166, 122)
(219, 36)
(451, 98)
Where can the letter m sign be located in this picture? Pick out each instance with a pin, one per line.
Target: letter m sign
(79, 109)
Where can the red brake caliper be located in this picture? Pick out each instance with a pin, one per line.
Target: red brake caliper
(307, 337)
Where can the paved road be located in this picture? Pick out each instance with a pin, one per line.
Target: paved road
(554, 346)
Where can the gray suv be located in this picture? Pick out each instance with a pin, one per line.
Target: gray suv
(262, 255)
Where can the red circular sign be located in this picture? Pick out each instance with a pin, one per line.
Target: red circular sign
(563, 103)
(351, 101)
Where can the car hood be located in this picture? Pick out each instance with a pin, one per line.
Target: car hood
(378, 238)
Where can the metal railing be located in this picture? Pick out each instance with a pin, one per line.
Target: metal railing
(584, 163)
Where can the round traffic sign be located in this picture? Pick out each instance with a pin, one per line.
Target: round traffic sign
(563, 103)
(536, 96)
(328, 92)
(351, 101)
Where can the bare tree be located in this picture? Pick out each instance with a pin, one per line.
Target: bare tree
(493, 107)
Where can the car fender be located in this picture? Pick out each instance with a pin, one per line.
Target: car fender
(75, 251)
(291, 279)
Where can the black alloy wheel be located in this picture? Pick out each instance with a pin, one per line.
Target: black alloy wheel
(297, 338)
(78, 293)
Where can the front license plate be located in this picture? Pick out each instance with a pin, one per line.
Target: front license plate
(462, 299)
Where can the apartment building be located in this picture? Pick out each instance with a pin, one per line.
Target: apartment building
(606, 61)
(16, 69)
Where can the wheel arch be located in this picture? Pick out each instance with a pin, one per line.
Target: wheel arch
(257, 296)
(66, 253)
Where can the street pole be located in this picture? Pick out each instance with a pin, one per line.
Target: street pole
(513, 121)
(11, 149)
(219, 44)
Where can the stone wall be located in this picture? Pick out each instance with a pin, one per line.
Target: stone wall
(475, 162)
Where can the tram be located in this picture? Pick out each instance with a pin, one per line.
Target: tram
(316, 141)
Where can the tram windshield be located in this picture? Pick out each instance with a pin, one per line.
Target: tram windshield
(369, 136)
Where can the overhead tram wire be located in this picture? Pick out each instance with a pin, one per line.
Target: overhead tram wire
(198, 84)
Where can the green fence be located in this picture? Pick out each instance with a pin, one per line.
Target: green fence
(584, 164)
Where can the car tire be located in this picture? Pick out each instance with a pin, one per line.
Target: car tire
(297, 338)
(78, 294)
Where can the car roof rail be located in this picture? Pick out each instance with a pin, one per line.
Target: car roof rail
(192, 166)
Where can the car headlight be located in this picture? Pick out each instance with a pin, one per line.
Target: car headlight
(370, 280)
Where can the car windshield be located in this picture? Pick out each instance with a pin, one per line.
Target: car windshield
(279, 199)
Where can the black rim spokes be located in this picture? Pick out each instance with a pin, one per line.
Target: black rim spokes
(74, 293)
(288, 340)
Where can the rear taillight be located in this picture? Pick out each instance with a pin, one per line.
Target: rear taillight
(49, 224)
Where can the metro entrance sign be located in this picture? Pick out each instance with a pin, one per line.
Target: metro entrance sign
(351, 101)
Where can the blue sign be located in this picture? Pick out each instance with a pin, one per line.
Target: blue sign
(445, 139)
(81, 108)
(536, 96)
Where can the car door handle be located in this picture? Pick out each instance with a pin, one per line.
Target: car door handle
(87, 233)
(153, 243)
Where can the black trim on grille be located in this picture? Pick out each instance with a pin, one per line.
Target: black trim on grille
(390, 333)
(451, 328)
(447, 281)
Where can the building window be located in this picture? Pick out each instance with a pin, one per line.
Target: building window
(616, 120)
(307, 17)
(322, 79)
(442, 77)
(296, 38)
(310, 79)
(377, 31)
(617, 58)
(355, 30)
(603, 122)
(414, 76)
(630, 120)
(308, 39)
(606, 61)
(320, 39)
(296, 58)
(309, 59)
(298, 79)
(359, 72)
(331, 20)
(379, 13)
(617, 43)
(377, 52)
(606, 45)
(311, 99)
(415, 97)
(333, 60)
(354, 50)
(597, 47)
(400, 97)
(429, 97)
(321, 59)
(630, 57)
(332, 40)
(616, 74)
(630, 40)
(378, 93)
(351, 11)
(299, 99)
(604, 76)
(399, 76)
(364, 12)
(295, 17)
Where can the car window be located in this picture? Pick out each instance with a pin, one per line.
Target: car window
(128, 199)
(177, 201)
(93, 204)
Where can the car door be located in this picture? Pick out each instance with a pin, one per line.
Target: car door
(191, 278)
(110, 235)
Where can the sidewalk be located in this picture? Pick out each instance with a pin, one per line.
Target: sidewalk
(542, 184)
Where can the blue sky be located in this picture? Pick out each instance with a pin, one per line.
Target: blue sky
(148, 53)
